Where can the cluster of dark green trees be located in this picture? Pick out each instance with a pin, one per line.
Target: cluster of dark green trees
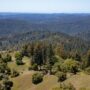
(5, 72)
(55, 60)
(42, 55)
(45, 55)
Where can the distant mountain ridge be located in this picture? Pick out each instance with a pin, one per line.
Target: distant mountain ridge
(73, 30)
(67, 23)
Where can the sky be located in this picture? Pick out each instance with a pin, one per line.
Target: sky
(45, 6)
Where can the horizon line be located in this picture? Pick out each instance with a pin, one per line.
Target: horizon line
(46, 12)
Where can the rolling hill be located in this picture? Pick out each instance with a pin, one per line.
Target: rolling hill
(67, 23)
(18, 28)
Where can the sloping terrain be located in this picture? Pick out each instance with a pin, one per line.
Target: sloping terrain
(24, 82)
(80, 81)
(67, 23)
(17, 41)
(18, 29)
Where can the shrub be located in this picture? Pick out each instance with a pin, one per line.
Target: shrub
(37, 78)
(65, 87)
(83, 88)
(69, 87)
(1, 87)
(61, 76)
(87, 70)
(7, 84)
(8, 70)
(19, 62)
(19, 57)
(71, 66)
(7, 58)
(14, 73)
(56, 68)
(0, 56)
(1, 76)
(4, 69)
(34, 67)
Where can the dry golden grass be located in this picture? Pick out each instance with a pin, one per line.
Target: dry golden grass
(80, 80)
(20, 68)
(49, 82)
(24, 82)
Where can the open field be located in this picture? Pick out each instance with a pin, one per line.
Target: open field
(24, 82)
(20, 68)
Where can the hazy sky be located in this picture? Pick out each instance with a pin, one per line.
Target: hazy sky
(45, 6)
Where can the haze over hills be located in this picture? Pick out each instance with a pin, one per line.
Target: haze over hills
(20, 27)
(67, 23)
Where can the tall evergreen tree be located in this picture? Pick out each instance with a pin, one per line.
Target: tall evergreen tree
(31, 49)
(38, 56)
(88, 58)
(50, 57)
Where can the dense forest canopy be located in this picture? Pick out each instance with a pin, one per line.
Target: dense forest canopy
(70, 30)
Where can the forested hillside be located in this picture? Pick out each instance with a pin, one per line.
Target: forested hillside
(67, 23)
(71, 30)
